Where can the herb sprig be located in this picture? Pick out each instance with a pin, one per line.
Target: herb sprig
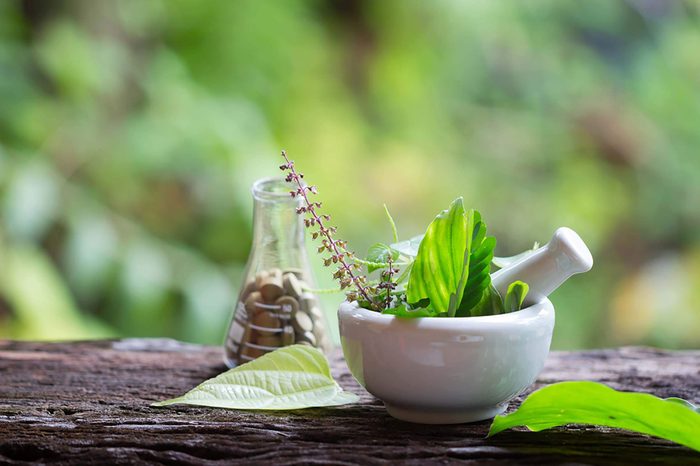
(446, 272)
(339, 254)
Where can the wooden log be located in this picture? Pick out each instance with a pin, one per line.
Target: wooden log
(88, 403)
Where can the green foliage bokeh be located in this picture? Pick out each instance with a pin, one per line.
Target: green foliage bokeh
(131, 131)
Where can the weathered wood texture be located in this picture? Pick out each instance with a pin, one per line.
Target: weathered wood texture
(88, 403)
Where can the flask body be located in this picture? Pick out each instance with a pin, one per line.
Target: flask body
(275, 306)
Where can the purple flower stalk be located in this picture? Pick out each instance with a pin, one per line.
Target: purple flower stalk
(345, 272)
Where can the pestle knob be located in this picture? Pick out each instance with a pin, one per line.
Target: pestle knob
(548, 267)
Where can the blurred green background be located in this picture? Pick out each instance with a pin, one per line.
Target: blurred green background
(131, 131)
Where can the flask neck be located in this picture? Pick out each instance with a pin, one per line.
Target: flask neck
(278, 231)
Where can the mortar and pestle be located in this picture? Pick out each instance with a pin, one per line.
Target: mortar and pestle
(446, 370)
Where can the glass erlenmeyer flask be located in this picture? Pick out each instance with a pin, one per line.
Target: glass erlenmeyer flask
(275, 307)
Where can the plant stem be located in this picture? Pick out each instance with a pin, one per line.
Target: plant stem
(390, 269)
(326, 232)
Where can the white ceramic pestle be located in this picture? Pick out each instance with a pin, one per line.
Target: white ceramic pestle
(548, 267)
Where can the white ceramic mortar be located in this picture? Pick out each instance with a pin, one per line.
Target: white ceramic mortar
(445, 370)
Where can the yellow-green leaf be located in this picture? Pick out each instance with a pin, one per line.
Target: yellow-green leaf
(439, 271)
(515, 296)
(293, 377)
(597, 404)
(378, 255)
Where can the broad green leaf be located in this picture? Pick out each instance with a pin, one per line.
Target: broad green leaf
(439, 271)
(409, 247)
(378, 254)
(503, 262)
(515, 296)
(490, 304)
(685, 403)
(476, 291)
(596, 404)
(292, 377)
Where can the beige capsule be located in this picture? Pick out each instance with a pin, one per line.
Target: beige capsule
(288, 335)
(316, 314)
(307, 301)
(306, 337)
(267, 323)
(292, 286)
(271, 288)
(259, 277)
(249, 288)
(236, 332)
(251, 303)
(246, 338)
(251, 352)
(302, 322)
(288, 305)
(299, 273)
(270, 341)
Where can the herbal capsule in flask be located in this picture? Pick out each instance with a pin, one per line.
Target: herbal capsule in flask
(275, 307)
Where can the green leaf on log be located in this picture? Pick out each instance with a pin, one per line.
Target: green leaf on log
(593, 403)
(293, 377)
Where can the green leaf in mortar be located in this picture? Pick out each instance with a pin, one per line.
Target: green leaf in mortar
(491, 304)
(517, 291)
(292, 377)
(597, 404)
(408, 247)
(402, 311)
(440, 270)
(377, 256)
(476, 292)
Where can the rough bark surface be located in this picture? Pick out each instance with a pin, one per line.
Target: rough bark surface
(88, 403)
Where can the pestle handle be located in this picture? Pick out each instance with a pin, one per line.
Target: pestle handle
(548, 267)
